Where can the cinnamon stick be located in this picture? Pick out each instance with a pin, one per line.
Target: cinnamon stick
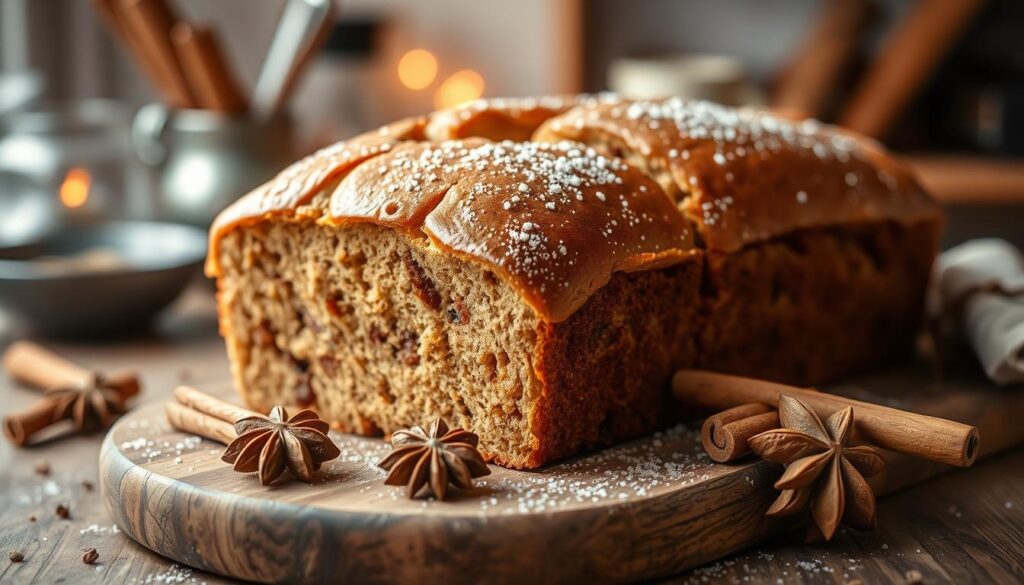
(21, 426)
(919, 435)
(39, 367)
(725, 434)
(206, 67)
(112, 15)
(36, 366)
(206, 404)
(185, 419)
(150, 22)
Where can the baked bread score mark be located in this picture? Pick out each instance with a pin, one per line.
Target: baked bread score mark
(297, 184)
(556, 220)
(499, 118)
(744, 175)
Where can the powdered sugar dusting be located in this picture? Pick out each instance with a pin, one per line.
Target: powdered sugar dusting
(172, 575)
(643, 468)
(740, 132)
(557, 218)
(620, 474)
(291, 186)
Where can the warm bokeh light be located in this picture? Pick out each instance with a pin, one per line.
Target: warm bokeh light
(417, 69)
(460, 87)
(74, 191)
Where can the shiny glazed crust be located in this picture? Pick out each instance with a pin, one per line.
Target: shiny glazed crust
(556, 220)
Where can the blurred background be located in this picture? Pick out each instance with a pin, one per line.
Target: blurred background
(122, 113)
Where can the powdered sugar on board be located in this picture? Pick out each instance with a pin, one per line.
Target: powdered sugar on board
(627, 473)
(619, 474)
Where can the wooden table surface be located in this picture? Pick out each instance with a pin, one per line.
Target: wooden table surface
(965, 527)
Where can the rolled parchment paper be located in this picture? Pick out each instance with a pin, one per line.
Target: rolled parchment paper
(979, 286)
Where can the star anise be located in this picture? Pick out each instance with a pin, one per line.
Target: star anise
(821, 467)
(427, 462)
(93, 405)
(272, 444)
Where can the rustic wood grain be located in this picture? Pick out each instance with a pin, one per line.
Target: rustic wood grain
(965, 527)
(602, 521)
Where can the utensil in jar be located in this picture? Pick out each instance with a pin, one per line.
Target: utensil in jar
(303, 26)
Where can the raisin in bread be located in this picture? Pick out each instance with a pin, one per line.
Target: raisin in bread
(541, 291)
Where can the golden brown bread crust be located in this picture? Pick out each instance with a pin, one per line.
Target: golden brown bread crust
(745, 176)
(291, 189)
(498, 119)
(554, 220)
(284, 194)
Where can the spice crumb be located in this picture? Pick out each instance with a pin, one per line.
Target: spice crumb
(32, 518)
(16, 556)
(63, 512)
(91, 556)
(87, 485)
(42, 468)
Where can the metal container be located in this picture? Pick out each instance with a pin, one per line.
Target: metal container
(86, 142)
(201, 161)
(98, 279)
(718, 78)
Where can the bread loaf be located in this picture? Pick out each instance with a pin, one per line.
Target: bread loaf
(541, 292)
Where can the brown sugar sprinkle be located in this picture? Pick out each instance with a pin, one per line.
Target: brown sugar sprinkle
(91, 556)
(63, 512)
(16, 556)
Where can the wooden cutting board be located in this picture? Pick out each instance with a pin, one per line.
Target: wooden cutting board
(645, 509)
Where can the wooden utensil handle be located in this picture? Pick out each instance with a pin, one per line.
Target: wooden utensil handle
(910, 55)
(207, 70)
(111, 14)
(150, 22)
